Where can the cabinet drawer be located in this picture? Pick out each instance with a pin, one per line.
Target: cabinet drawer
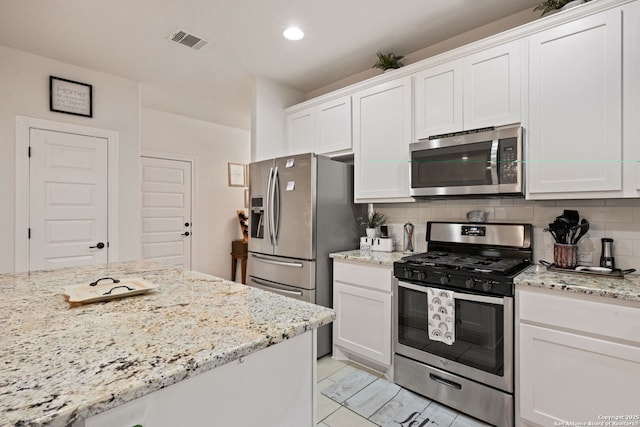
(610, 319)
(368, 276)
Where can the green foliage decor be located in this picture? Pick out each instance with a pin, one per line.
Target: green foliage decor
(388, 61)
(373, 220)
(550, 5)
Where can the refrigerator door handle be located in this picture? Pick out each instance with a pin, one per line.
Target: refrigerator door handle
(266, 285)
(268, 206)
(276, 203)
(282, 263)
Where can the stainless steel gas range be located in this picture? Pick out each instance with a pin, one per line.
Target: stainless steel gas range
(454, 317)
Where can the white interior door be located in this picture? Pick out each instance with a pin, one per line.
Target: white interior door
(68, 200)
(166, 210)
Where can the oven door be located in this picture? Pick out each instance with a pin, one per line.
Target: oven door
(483, 347)
(454, 170)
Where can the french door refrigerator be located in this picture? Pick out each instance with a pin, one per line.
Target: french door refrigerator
(301, 209)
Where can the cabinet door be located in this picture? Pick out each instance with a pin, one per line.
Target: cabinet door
(570, 377)
(334, 126)
(301, 131)
(491, 82)
(382, 133)
(363, 322)
(438, 100)
(575, 98)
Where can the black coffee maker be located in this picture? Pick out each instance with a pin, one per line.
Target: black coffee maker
(606, 257)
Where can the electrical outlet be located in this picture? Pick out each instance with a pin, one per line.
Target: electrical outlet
(585, 257)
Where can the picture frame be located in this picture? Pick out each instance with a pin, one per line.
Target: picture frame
(70, 97)
(237, 175)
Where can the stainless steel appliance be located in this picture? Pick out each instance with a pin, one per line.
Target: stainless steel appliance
(477, 262)
(301, 209)
(481, 162)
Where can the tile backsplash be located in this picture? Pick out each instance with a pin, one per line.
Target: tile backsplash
(618, 219)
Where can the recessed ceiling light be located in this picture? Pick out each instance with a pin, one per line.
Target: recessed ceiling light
(293, 33)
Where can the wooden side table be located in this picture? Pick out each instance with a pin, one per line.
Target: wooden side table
(239, 250)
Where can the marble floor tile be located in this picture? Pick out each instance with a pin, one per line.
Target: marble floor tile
(438, 415)
(368, 400)
(400, 408)
(348, 385)
(328, 366)
(466, 421)
(346, 418)
(326, 407)
(344, 372)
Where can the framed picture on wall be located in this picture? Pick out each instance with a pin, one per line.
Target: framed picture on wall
(69, 97)
(236, 175)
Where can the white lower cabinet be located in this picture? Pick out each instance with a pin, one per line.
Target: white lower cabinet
(579, 359)
(271, 387)
(362, 300)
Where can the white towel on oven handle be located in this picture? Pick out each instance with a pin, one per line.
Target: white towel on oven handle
(441, 312)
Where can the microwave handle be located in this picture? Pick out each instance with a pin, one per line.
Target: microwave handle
(494, 162)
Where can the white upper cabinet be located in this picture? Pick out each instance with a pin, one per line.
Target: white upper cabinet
(491, 87)
(334, 126)
(575, 109)
(438, 100)
(479, 90)
(301, 131)
(321, 129)
(381, 134)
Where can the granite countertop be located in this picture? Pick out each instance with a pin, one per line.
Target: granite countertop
(372, 257)
(627, 288)
(61, 363)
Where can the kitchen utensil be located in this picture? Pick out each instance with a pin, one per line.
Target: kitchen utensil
(606, 258)
(477, 216)
(572, 216)
(581, 230)
(595, 269)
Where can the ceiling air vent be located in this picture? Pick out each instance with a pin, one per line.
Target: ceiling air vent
(186, 39)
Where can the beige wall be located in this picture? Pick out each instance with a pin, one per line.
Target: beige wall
(479, 33)
(24, 90)
(214, 221)
(618, 219)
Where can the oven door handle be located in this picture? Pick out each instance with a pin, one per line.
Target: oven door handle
(456, 295)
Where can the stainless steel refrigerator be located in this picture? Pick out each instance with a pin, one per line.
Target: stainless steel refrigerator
(301, 209)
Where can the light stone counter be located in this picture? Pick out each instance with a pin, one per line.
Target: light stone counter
(61, 364)
(627, 288)
(372, 257)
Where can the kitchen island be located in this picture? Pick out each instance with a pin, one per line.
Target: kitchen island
(201, 349)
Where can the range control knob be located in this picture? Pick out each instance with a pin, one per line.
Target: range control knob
(407, 274)
(421, 275)
(469, 283)
(487, 285)
(444, 279)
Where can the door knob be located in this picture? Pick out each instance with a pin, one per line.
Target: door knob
(186, 224)
(100, 245)
(186, 233)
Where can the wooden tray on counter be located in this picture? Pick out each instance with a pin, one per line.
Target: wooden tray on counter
(84, 294)
(617, 273)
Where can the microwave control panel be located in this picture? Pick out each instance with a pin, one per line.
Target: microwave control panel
(508, 161)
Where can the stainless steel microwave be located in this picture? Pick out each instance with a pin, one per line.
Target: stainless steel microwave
(484, 162)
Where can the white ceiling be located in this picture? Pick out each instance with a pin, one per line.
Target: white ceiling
(128, 38)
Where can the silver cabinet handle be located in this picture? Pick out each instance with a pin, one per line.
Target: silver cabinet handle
(270, 287)
(282, 263)
(448, 383)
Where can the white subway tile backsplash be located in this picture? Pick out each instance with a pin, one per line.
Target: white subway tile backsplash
(618, 219)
